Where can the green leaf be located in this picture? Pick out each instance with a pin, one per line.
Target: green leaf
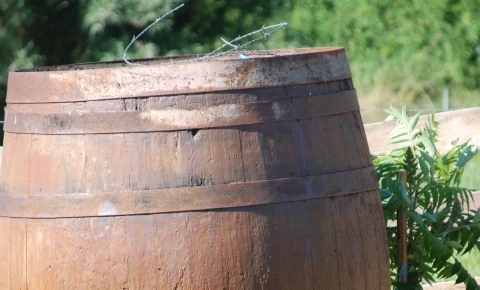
(429, 217)
(471, 284)
(424, 166)
(473, 239)
(397, 132)
(389, 117)
(427, 198)
(465, 155)
(466, 234)
(462, 276)
(401, 139)
(413, 122)
(476, 219)
(454, 244)
(456, 267)
(404, 118)
(426, 156)
(416, 217)
(394, 203)
(404, 195)
(394, 112)
(385, 193)
(429, 146)
(434, 192)
(438, 248)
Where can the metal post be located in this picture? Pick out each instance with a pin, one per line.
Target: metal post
(445, 98)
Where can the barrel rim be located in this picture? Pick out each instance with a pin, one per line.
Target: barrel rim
(306, 67)
(161, 60)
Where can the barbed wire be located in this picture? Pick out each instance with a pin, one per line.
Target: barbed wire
(145, 30)
(265, 30)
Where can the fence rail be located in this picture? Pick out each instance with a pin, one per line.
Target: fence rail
(464, 124)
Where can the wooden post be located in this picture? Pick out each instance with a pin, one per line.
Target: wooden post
(402, 234)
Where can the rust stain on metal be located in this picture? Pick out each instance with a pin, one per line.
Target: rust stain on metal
(170, 119)
(179, 199)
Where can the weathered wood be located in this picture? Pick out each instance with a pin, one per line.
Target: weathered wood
(292, 235)
(8, 149)
(324, 244)
(215, 116)
(348, 238)
(310, 216)
(5, 243)
(366, 208)
(18, 254)
(462, 124)
(161, 77)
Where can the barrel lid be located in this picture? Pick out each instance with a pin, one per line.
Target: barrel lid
(177, 75)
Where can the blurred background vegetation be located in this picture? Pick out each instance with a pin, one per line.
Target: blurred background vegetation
(404, 51)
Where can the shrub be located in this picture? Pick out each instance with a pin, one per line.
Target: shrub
(439, 226)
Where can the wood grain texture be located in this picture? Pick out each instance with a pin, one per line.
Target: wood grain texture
(5, 258)
(162, 77)
(8, 162)
(306, 243)
(300, 245)
(18, 254)
(375, 251)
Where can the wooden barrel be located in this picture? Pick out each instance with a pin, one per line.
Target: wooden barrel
(248, 172)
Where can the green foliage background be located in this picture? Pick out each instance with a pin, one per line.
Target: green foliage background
(401, 51)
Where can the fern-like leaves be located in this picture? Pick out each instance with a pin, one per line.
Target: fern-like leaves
(439, 228)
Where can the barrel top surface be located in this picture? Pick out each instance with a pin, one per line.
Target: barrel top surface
(177, 75)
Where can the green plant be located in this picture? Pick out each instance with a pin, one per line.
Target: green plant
(439, 226)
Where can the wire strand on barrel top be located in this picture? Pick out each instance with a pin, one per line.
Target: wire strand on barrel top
(145, 30)
(266, 31)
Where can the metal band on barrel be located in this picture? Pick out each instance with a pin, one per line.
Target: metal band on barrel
(183, 199)
(217, 116)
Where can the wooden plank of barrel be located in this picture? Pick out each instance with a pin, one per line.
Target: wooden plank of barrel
(222, 174)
